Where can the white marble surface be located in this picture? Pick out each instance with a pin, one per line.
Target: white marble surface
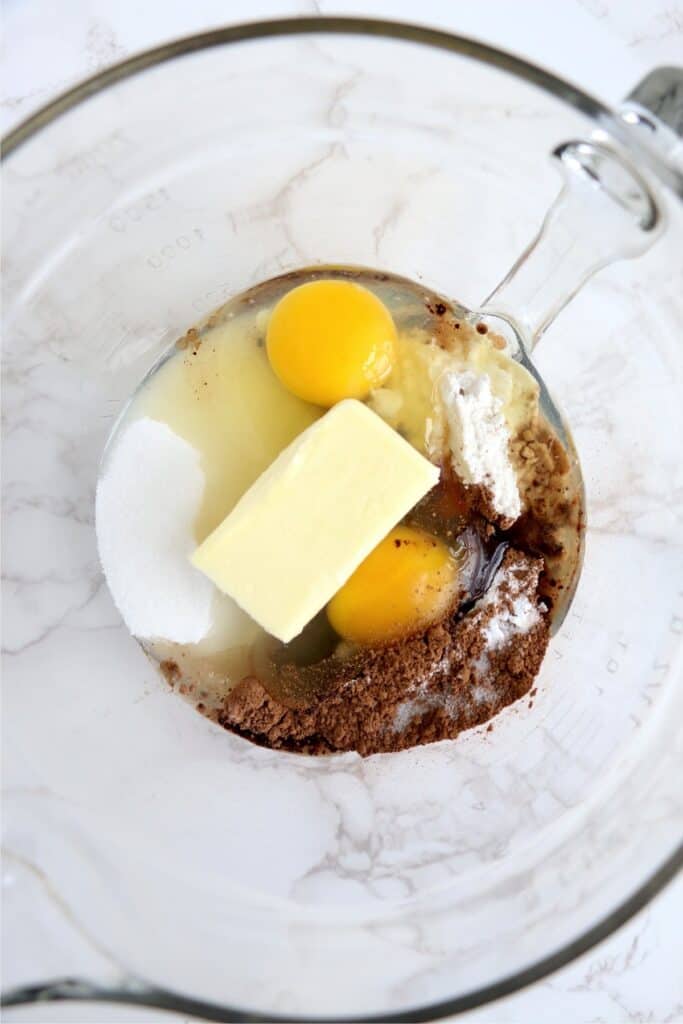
(632, 976)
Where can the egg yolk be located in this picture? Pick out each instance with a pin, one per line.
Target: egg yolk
(329, 340)
(404, 585)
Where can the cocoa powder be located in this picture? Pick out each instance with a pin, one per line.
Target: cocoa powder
(421, 689)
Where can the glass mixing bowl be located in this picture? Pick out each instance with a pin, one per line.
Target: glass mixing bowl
(232, 881)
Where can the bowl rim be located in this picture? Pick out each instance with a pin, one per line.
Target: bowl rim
(308, 25)
(137, 991)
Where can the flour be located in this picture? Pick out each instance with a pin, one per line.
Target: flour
(515, 613)
(423, 700)
(479, 438)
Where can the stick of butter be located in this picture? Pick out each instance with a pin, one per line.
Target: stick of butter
(311, 518)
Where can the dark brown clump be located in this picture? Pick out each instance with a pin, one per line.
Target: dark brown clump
(170, 671)
(438, 307)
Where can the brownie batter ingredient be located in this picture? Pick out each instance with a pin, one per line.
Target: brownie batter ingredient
(454, 675)
(479, 439)
(402, 659)
(309, 521)
(404, 585)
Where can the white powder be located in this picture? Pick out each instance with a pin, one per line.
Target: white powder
(482, 694)
(516, 613)
(146, 507)
(411, 709)
(479, 438)
(519, 618)
(423, 700)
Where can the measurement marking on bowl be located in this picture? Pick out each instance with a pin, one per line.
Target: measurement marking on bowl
(172, 250)
(129, 216)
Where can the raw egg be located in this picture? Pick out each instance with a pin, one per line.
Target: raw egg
(329, 340)
(407, 582)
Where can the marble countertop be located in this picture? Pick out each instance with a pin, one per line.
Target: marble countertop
(635, 975)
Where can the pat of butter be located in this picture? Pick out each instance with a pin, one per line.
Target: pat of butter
(311, 518)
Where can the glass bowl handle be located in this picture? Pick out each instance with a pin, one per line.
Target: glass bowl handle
(605, 211)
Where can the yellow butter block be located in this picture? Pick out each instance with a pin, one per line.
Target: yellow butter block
(311, 518)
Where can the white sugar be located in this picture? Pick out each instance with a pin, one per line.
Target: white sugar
(146, 507)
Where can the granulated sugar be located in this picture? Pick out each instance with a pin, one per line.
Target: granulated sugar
(147, 504)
